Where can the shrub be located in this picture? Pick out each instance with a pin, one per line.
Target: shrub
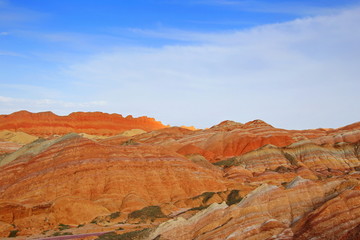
(206, 196)
(13, 233)
(233, 197)
(135, 235)
(226, 163)
(129, 142)
(198, 208)
(150, 212)
(61, 234)
(114, 215)
(282, 169)
(63, 226)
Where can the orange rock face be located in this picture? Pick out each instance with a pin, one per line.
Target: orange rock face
(270, 212)
(231, 181)
(96, 123)
(103, 178)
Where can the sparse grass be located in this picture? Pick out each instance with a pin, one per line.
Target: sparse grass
(233, 197)
(198, 208)
(114, 215)
(226, 163)
(205, 196)
(13, 233)
(151, 212)
(129, 142)
(63, 226)
(282, 169)
(61, 234)
(135, 235)
(109, 236)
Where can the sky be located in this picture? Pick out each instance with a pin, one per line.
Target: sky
(293, 64)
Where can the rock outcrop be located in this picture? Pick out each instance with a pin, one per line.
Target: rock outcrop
(95, 123)
(95, 172)
(86, 173)
(270, 212)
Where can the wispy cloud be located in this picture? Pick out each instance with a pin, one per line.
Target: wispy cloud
(12, 54)
(283, 7)
(11, 15)
(8, 105)
(297, 72)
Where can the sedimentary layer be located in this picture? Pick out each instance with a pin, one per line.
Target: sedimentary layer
(96, 123)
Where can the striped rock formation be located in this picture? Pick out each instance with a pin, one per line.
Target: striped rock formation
(270, 212)
(71, 180)
(231, 181)
(45, 124)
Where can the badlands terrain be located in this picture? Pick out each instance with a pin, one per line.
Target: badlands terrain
(104, 176)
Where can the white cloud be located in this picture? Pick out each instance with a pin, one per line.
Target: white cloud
(298, 74)
(11, 54)
(8, 105)
(11, 15)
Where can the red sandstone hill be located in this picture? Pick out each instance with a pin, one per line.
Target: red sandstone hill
(231, 181)
(96, 123)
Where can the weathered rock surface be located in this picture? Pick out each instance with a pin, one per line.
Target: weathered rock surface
(108, 178)
(231, 181)
(95, 123)
(341, 156)
(270, 212)
(16, 137)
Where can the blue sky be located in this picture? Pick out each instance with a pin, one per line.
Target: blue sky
(294, 64)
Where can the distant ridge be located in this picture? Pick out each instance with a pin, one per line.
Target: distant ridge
(96, 123)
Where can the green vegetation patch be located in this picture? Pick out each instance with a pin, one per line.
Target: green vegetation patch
(61, 234)
(233, 197)
(282, 169)
(227, 162)
(63, 226)
(135, 235)
(150, 212)
(13, 233)
(205, 196)
(198, 208)
(114, 215)
(130, 142)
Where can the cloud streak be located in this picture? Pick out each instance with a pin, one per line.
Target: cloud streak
(282, 7)
(8, 104)
(296, 72)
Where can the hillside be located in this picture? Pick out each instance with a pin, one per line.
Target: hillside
(231, 181)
